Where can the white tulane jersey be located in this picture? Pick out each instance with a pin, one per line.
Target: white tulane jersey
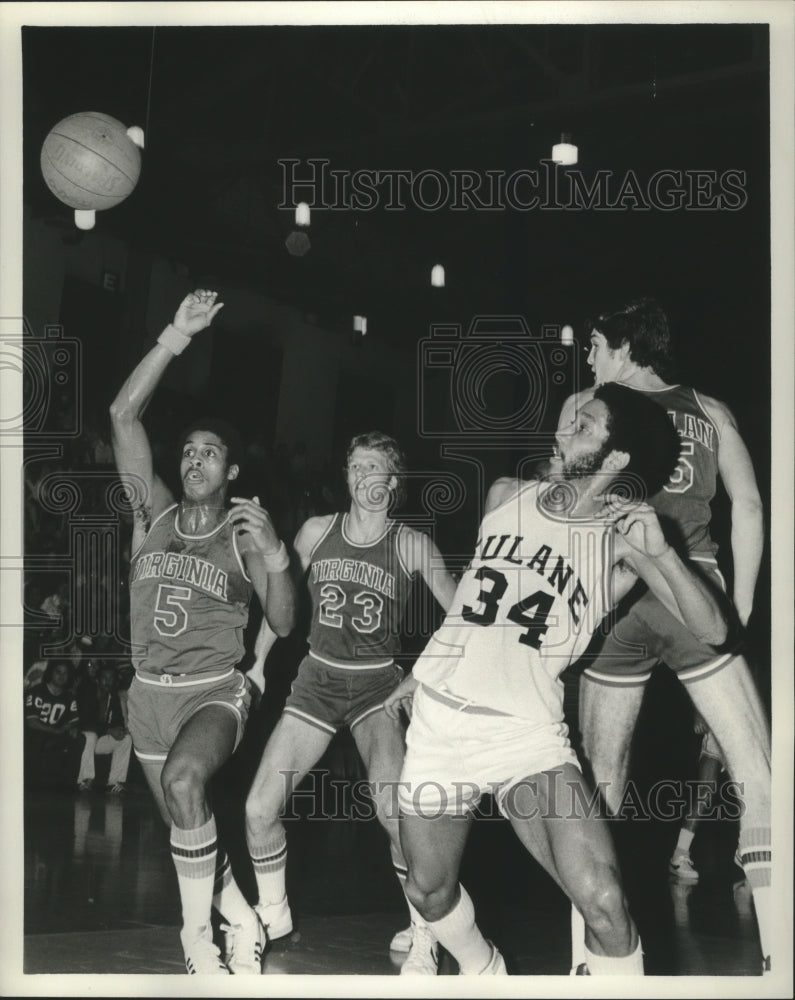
(525, 609)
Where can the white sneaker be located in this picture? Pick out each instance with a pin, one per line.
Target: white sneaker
(276, 918)
(423, 956)
(681, 867)
(245, 946)
(201, 956)
(495, 965)
(402, 940)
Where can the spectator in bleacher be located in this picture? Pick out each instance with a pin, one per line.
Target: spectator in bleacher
(104, 728)
(53, 742)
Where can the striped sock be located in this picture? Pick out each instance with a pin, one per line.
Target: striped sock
(606, 965)
(757, 859)
(227, 897)
(402, 873)
(269, 858)
(194, 853)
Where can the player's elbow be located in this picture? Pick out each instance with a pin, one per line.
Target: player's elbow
(121, 413)
(283, 621)
(283, 628)
(747, 510)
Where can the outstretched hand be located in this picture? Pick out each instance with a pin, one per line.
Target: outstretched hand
(641, 528)
(255, 530)
(401, 697)
(197, 311)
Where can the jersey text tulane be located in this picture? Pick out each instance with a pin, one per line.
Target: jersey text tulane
(684, 502)
(189, 598)
(535, 591)
(359, 594)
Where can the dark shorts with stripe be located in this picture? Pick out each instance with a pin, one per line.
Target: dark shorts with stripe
(649, 634)
(329, 697)
(157, 710)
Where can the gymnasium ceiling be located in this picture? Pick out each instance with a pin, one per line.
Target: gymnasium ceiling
(222, 105)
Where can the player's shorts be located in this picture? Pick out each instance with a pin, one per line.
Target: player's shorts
(649, 634)
(457, 753)
(157, 710)
(330, 697)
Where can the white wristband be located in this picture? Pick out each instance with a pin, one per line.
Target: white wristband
(173, 340)
(277, 561)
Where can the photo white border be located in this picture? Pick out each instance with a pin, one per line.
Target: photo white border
(780, 15)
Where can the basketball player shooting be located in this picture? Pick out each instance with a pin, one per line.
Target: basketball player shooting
(194, 567)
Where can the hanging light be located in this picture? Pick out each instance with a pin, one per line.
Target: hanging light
(302, 214)
(565, 152)
(437, 276)
(360, 324)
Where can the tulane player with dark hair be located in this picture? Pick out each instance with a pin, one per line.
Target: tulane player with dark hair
(195, 564)
(632, 346)
(552, 558)
(360, 565)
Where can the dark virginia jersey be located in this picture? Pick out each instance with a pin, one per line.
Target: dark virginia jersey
(189, 598)
(359, 595)
(685, 499)
(526, 607)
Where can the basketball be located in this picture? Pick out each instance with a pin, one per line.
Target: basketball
(89, 162)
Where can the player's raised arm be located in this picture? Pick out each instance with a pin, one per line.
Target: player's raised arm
(267, 563)
(642, 544)
(420, 554)
(748, 531)
(131, 448)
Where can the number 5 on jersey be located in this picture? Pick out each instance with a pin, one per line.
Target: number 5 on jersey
(171, 613)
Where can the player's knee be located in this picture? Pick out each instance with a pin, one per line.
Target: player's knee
(432, 893)
(601, 900)
(260, 814)
(183, 784)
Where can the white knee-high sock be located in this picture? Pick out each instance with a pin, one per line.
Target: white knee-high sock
(401, 872)
(227, 897)
(756, 856)
(577, 939)
(193, 852)
(459, 934)
(607, 965)
(269, 858)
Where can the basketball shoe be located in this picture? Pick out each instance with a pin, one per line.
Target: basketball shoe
(423, 956)
(276, 918)
(681, 867)
(495, 965)
(402, 940)
(245, 946)
(201, 956)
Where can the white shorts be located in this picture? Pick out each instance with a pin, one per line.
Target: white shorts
(456, 755)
